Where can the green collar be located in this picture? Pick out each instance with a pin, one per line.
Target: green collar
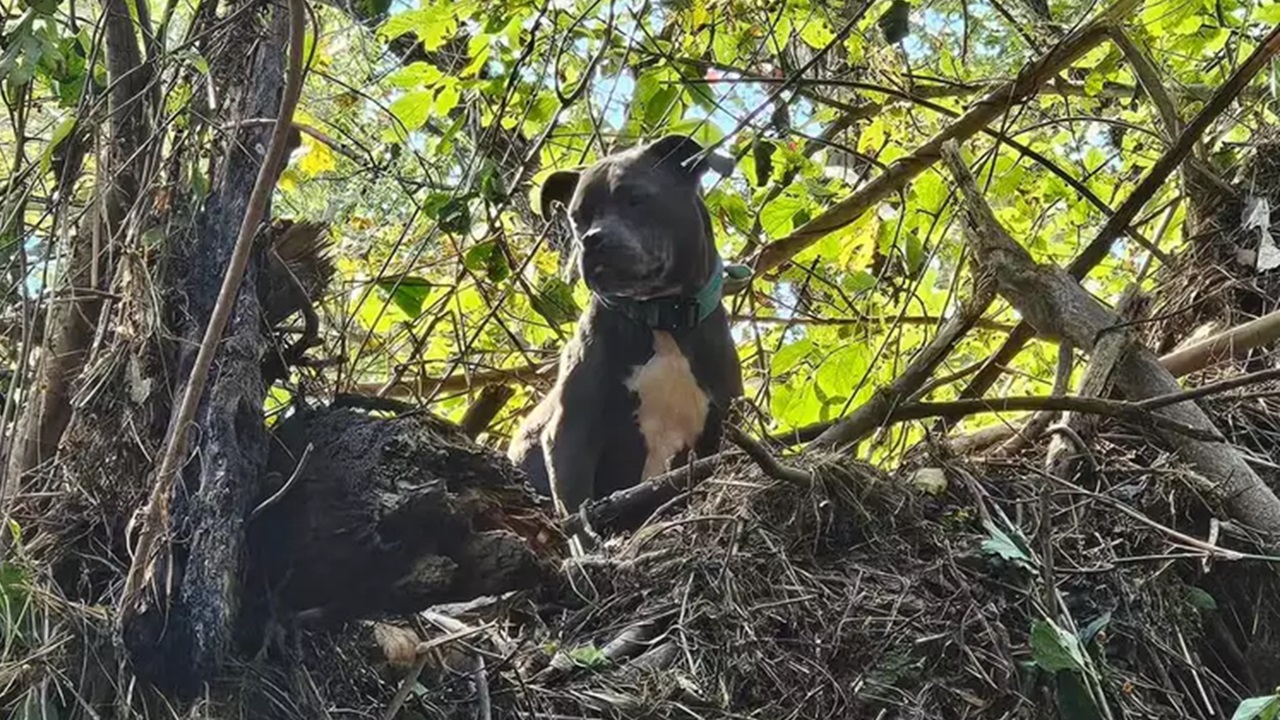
(677, 312)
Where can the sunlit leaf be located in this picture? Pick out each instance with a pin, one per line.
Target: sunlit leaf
(412, 109)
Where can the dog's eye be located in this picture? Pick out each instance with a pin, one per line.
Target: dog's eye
(633, 194)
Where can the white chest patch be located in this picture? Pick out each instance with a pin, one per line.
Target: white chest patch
(673, 409)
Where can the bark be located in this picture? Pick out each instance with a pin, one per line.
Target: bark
(179, 641)
(393, 516)
(1054, 303)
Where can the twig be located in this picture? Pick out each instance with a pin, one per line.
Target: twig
(284, 490)
(884, 405)
(767, 462)
(650, 493)
(926, 320)
(483, 702)
(1054, 302)
(1043, 419)
(1228, 344)
(156, 513)
(1211, 389)
(1180, 538)
(1091, 405)
(481, 413)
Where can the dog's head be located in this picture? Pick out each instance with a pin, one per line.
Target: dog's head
(640, 227)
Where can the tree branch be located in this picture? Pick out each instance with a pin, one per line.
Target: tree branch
(903, 170)
(1096, 250)
(1053, 302)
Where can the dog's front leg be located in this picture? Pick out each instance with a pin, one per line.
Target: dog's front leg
(571, 441)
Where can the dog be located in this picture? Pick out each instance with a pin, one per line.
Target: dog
(652, 368)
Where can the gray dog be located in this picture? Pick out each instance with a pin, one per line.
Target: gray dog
(652, 368)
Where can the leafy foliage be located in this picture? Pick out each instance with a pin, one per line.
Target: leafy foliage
(435, 120)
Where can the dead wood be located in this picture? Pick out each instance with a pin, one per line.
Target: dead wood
(393, 515)
(1056, 305)
(182, 594)
(73, 319)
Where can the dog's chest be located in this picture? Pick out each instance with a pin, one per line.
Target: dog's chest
(672, 407)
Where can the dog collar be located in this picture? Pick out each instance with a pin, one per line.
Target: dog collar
(678, 312)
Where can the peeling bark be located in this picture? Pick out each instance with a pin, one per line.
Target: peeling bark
(1054, 303)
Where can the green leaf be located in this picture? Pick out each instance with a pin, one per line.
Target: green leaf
(1055, 649)
(1267, 13)
(588, 657)
(1258, 708)
(413, 108)
(1092, 629)
(817, 33)
(415, 75)
(554, 301)
(1201, 599)
(454, 216)
(408, 293)
(1074, 700)
(843, 370)
(659, 106)
(492, 189)
(1006, 546)
(60, 133)
(447, 97)
(788, 355)
(487, 257)
(778, 217)
(44, 7)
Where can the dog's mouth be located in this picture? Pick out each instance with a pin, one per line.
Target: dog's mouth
(606, 278)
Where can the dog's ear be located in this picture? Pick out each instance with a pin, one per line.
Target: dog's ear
(558, 187)
(688, 154)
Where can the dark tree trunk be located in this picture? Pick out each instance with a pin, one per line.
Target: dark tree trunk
(179, 646)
